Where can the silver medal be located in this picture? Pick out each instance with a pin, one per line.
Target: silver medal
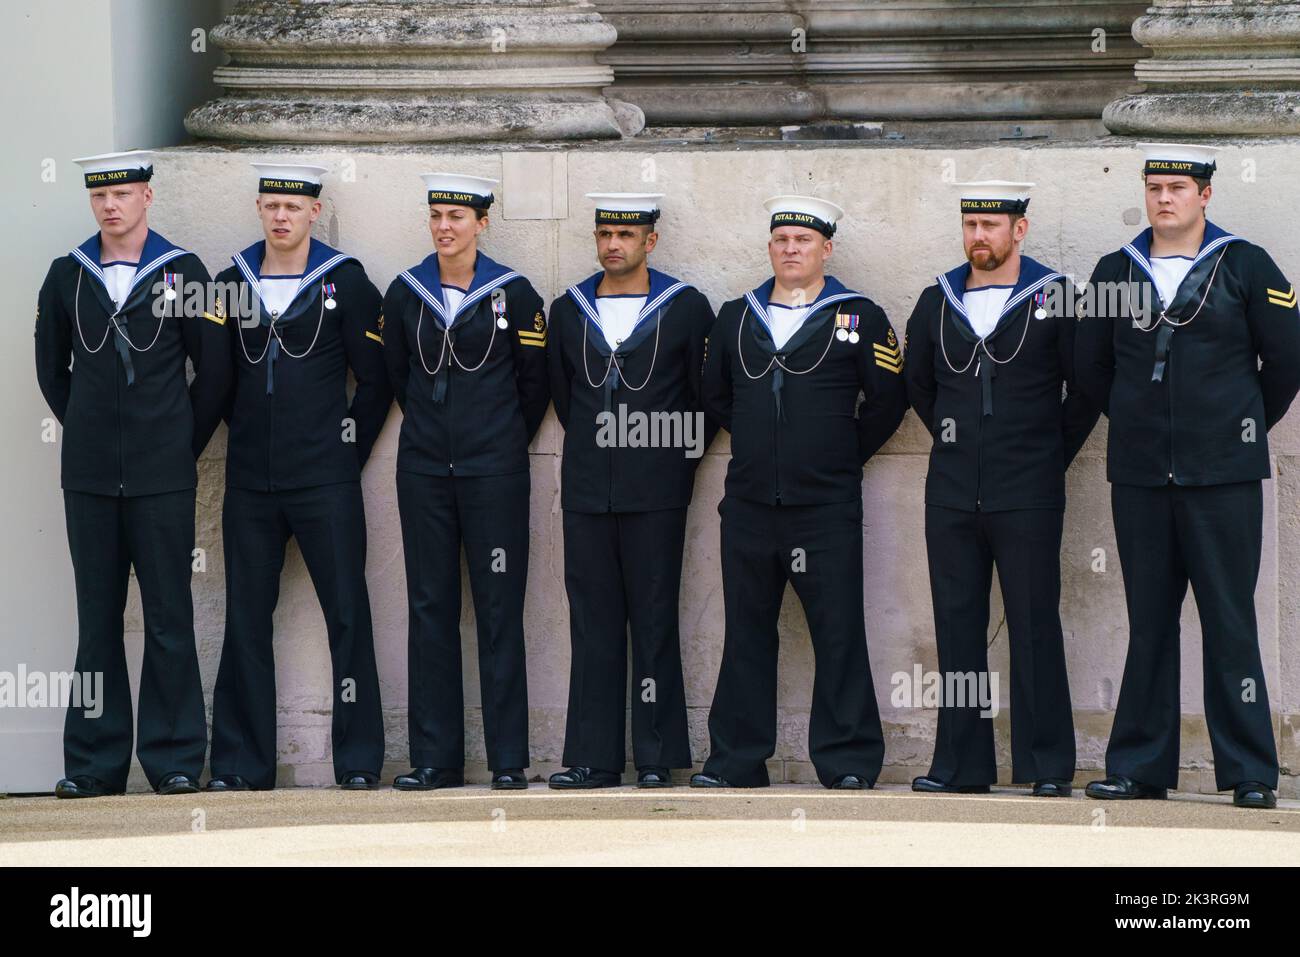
(330, 303)
(170, 294)
(854, 337)
(1040, 313)
(842, 335)
(501, 322)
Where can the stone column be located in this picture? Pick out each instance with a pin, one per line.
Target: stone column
(776, 62)
(1219, 67)
(330, 71)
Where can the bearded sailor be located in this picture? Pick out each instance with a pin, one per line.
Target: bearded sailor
(1191, 388)
(627, 345)
(466, 352)
(990, 348)
(305, 315)
(114, 329)
(787, 364)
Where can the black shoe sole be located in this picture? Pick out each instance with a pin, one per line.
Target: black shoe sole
(426, 787)
(650, 785)
(1051, 794)
(584, 786)
(509, 785)
(969, 789)
(78, 795)
(181, 789)
(1254, 805)
(1143, 796)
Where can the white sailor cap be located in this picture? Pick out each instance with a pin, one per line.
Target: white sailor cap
(637, 209)
(994, 196)
(459, 189)
(107, 169)
(296, 179)
(1179, 159)
(807, 211)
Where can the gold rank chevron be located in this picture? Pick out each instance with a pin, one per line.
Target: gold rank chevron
(887, 357)
(527, 338)
(1285, 299)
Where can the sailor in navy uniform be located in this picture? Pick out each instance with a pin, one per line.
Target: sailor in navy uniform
(990, 348)
(305, 315)
(112, 337)
(466, 351)
(627, 345)
(1191, 388)
(786, 366)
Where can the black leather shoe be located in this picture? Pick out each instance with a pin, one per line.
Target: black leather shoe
(1052, 787)
(511, 779)
(931, 785)
(359, 781)
(178, 784)
(584, 779)
(1253, 794)
(429, 779)
(705, 780)
(1116, 787)
(649, 777)
(851, 782)
(228, 782)
(82, 786)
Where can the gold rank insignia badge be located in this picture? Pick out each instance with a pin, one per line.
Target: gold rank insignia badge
(537, 335)
(1286, 300)
(218, 314)
(888, 355)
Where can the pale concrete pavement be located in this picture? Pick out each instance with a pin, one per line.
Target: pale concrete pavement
(790, 824)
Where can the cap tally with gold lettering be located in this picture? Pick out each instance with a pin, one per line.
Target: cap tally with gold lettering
(457, 189)
(109, 169)
(1179, 159)
(293, 180)
(626, 209)
(807, 211)
(994, 196)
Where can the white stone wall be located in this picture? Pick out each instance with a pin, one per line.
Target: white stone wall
(902, 228)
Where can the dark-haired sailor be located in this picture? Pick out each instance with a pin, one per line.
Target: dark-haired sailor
(626, 353)
(1191, 389)
(466, 351)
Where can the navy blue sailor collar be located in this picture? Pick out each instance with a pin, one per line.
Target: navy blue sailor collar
(663, 290)
(1033, 277)
(157, 252)
(832, 291)
(321, 258)
(1215, 238)
(425, 281)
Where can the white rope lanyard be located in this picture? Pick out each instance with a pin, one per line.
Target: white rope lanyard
(740, 352)
(419, 347)
(76, 309)
(1128, 296)
(613, 356)
(451, 346)
(112, 319)
(982, 344)
(273, 331)
(446, 346)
